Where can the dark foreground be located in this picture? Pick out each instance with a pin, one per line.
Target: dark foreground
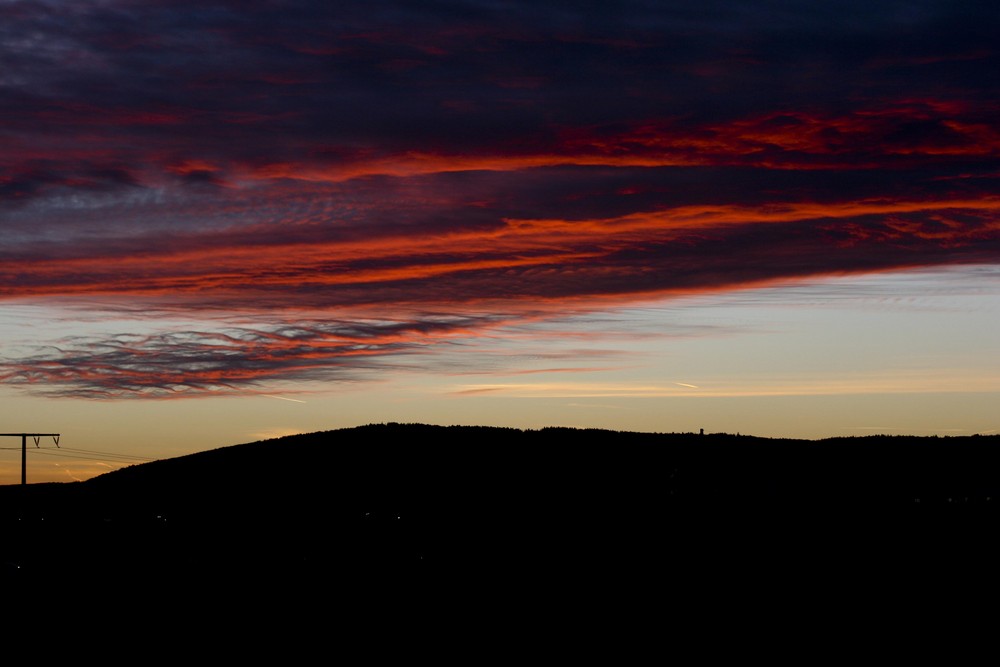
(491, 509)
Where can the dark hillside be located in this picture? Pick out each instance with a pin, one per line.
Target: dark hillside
(412, 495)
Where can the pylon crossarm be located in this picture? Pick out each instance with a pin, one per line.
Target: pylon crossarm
(24, 446)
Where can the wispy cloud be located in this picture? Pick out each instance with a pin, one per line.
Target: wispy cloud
(182, 364)
(889, 382)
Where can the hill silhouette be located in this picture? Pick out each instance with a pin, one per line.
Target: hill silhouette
(406, 497)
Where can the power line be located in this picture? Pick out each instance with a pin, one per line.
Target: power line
(88, 457)
(51, 450)
(100, 453)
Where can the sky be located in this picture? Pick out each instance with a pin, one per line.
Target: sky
(228, 221)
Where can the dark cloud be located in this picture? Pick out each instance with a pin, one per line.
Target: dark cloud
(260, 81)
(236, 360)
(262, 157)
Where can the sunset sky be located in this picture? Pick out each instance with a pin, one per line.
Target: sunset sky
(224, 221)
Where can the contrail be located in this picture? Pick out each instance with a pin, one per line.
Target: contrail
(282, 398)
(684, 384)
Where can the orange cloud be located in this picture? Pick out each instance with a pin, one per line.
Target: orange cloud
(586, 247)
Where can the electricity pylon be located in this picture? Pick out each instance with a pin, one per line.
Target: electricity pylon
(24, 449)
